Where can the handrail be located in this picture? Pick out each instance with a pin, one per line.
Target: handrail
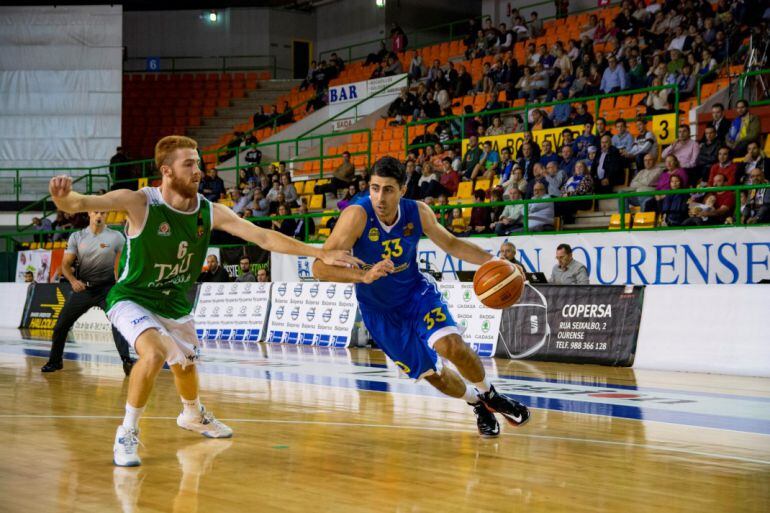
(743, 77)
(272, 63)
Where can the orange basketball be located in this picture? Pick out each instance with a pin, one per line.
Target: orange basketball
(498, 284)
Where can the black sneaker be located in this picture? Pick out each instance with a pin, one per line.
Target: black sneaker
(52, 367)
(514, 412)
(127, 366)
(486, 421)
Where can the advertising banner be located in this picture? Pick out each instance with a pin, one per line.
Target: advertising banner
(573, 324)
(515, 140)
(342, 97)
(93, 320)
(44, 304)
(313, 313)
(480, 324)
(712, 255)
(230, 258)
(232, 311)
(37, 261)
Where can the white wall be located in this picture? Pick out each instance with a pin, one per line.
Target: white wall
(498, 9)
(348, 22)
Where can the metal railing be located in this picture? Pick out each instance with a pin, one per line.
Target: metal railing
(743, 81)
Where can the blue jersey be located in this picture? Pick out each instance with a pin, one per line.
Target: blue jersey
(397, 242)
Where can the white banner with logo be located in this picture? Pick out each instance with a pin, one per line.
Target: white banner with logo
(37, 261)
(312, 313)
(715, 255)
(93, 320)
(481, 325)
(232, 311)
(342, 97)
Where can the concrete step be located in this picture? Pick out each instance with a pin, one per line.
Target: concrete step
(608, 204)
(588, 223)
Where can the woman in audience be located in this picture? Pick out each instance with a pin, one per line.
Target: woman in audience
(674, 207)
(429, 184)
(481, 217)
(285, 226)
(579, 184)
(657, 101)
(515, 182)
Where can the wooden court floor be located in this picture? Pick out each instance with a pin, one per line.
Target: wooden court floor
(317, 445)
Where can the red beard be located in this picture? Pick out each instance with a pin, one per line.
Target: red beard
(186, 189)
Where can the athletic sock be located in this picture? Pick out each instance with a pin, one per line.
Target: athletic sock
(471, 395)
(131, 420)
(192, 408)
(484, 385)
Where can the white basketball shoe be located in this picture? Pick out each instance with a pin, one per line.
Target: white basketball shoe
(205, 424)
(125, 451)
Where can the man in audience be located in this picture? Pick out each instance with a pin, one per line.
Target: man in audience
(567, 160)
(713, 211)
(724, 166)
(555, 178)
(540, 214)
(622, 140)
(707, 153)
(472, 156)
(646, 179)
(685, 150)
(548, 154)
(508, 252)
(262, 276)
(614, 78)
(757, 209)
(744, 129)
(645, 143)
(719, 122)
(213, 271)
(487, 165)
(241, 200)
(342, 176)
(607, 168)
(511, 218)
(449, 179)
(244, 271)
(755, 160)
(212, 187)
(568, 271)
(527, 160)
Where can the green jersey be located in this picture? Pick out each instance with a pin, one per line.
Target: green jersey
(162, 262)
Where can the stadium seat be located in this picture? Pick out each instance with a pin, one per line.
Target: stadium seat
(615, 221)
(465, 190)
(644, 220)
(316, 202)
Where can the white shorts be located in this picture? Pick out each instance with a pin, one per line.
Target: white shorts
(180, 338)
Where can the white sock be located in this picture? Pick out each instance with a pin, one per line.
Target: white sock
(471, 394)
(131, 420)
(484, 385)
(192, 408)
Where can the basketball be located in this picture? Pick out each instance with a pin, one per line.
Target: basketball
(498, 284)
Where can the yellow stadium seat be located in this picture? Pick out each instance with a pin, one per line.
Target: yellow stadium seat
(484, 184)
(767, 145)
(324, 232)
(34, 245)
(615, 221)
(300, 187)
(644, 220)
(465, 190)
(48, 245)
(309, 187)
(316, 202)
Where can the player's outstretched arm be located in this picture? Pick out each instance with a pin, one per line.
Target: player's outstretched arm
(67, 200)
(345, 234)
(227, 220)
(458, 248)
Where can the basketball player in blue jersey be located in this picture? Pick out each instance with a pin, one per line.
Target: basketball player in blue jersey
(401, 307)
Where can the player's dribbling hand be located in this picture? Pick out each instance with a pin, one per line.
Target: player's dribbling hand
(378, 270)
(78, 286)
(340, 258)
(60, 186)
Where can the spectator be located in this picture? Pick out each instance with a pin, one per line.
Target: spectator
(582, 116)
(244, 271)
(429, 184)
(724, 166)
(120, 171)
(480, 216)
(458, 225)
(304, 223)
(42, 227)
(472, 156)
(363, 189)
(754, 159)
(512, 216)
(744, 129)
(402, 106)
(392, 67)
(555, 178)
(212, 187)
(260, 206)
(614, 78)
(719, 122)
(349, 195)
(684, 149)
(378, 56)
(515, 181)
(586, 140)
(29, 277)
(213, 272)
(548, 154)
(567, 161)
(416, 66)
(645, 144)
(488, 163)
(622, 140)
(646, 179)
(757, 209)
(561, 112)
(657, 101)
(497, 127)
(607, 168)
(285, 226)
(241, 200)
(449, 179)
(398, 39)
(707, 153)
(342, 176)
(262, 276)
(674, 206)
(528, 159)
(579, 184)
(535, 25)
(538, 176)
(540, 214)
(63, 221)
(412, 181)
(716, 208)
(568, 271)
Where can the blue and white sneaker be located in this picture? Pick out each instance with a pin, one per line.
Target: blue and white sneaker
(125, 450)
(205, 424)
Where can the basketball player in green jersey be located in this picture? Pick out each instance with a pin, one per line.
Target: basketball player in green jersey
(168, 234)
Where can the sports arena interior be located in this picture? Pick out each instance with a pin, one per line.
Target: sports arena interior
(616, 154)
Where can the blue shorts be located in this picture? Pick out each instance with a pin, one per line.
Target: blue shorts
(407, 333)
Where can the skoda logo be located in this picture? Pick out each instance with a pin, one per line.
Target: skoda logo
(207, 290)
(445, 294)
(229, 311)
(282, 289)
(463, 323)
(331, 290)
(216, 311)
(298, 290)
(202, 311)
(327, 315)
(221, 290)
(466, 295)
(348, 292)
(242, 311)
(234, 288)
(344, 315)
(311, 314)
(314, 290)
(247, 288)
(294, 313)
(279, 312)
(485, 326)
(257, 310)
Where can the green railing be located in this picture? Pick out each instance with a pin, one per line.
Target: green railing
(218, 63)
(528, 107)
(744, 78)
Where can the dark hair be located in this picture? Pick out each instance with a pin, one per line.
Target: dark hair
(744, 102)
(479, 195)
(719, 106)
(346, 153)
(566, 247)
(389, 167)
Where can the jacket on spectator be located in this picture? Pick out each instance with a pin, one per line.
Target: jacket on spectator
(612, 167)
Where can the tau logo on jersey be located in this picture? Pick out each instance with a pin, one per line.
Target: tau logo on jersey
(463, 323)
(260, 288)
(348, 292)
(445, 295)
(331, 291)
(295, 313)
(314, 290)
(298, 290)
(310, 314)
(164, 230)
(279, 312)
(327, 315)
(408, 229)
(374, 234)
(282, 289)
(344, 316)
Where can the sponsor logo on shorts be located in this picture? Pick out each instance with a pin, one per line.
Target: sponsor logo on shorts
(485, 326)
(216, 311)
(207, 290)
(136, 321)
(220, 290)
(229, 311)
(234, 288)
(202, 311)
(242, 312)
(257, 310)
(247, 288)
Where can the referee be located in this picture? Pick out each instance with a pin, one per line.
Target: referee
(95, 248)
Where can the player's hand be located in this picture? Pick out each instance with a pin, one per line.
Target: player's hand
(379, 270)
(60, 186)
(78, 286)
(340, 258)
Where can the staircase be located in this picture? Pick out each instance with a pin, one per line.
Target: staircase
(596, 219)
(240, 110)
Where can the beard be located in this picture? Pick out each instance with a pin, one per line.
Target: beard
(186, 188)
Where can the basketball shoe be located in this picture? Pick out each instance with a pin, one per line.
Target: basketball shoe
(125, 450)
(485, 421)
(205, 424)
(514, 412)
